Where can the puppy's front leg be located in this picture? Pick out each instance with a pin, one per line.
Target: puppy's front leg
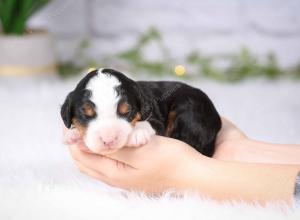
(71, 136)
(141, 134)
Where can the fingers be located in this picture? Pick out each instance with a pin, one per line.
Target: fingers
(137, 157)
(107, 167)
(89, 171)
(127, 155)
(228, 133)
(94, 174)
(227, 124)
(82, 147)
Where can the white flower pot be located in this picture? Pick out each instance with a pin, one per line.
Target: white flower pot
(28, 54)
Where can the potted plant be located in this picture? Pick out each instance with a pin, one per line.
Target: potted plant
(23, 51)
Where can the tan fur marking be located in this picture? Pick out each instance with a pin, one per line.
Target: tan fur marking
(136, 119)
(78, 126)
(89, 110)
(123, 108)
(171, 119)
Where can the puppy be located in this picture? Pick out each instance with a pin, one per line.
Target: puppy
(107, 110)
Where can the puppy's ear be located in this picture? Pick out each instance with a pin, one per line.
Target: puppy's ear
(66, 111)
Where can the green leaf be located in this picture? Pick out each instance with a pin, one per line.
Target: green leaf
(14, 14)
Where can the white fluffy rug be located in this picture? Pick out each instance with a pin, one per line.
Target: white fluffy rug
(39, 181)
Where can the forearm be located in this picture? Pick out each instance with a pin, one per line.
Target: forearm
(274, 153)
(243, 181)
(247, 150)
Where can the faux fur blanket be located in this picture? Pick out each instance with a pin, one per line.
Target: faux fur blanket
(38, 179)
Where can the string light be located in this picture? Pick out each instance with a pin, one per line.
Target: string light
(179, 70)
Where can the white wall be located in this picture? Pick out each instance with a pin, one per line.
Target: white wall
(211, 26)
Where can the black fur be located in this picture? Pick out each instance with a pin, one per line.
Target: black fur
(74, 102)
(196, 120)
(66, 111)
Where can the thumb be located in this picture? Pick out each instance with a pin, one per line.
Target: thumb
(137, 156)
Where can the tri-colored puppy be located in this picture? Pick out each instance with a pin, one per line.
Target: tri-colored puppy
(108, 111)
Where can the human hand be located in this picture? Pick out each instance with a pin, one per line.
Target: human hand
(162, 164)
(166, 163)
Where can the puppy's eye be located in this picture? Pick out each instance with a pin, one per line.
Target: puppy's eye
(123, 108)
(88, 110)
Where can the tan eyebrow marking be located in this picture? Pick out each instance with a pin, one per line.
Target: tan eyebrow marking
(123, 108)
(89, 110)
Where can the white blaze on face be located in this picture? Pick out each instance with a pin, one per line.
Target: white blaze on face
(107, 132)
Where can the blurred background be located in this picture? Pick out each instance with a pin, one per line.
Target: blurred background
(245, 54)
(258, 34)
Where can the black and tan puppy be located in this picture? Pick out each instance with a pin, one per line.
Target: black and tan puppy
(108, 111)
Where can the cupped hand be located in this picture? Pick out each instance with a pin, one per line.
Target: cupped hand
(163, 163)
(159, 165)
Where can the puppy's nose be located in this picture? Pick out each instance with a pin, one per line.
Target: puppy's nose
(109, 141)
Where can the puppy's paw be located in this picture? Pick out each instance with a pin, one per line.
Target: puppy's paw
(141, 134)
(72, 136)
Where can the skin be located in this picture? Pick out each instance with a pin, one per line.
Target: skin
(165, 163)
